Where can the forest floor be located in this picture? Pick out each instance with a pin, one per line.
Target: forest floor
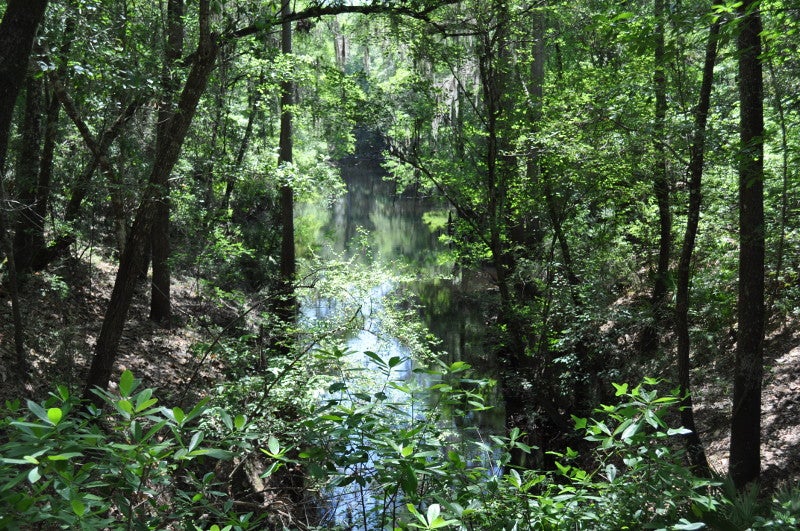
(63, 311)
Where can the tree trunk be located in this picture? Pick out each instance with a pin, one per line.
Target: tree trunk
(287, 306)
(27, 175)
(130, 262)
(697, 456)
(160, 300)
(17, 30)
(745, 450)
(661, 186)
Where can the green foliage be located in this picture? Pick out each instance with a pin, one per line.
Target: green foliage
(138, 466)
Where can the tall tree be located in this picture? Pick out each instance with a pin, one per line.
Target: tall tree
(661, 185)
(745, 448)
(17, 31)
(695, 172)
(287, 304)
(160, 303)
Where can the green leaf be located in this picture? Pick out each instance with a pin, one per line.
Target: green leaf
(178, 415)
(239, 421)
(54, 415)
(64, 456)
(126, 383)
(78, 507)
(125, 406)
(580, 423)
(39, 411)
(375, 357)
(621, 389)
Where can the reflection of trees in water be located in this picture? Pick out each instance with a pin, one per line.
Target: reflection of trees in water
(393, 223)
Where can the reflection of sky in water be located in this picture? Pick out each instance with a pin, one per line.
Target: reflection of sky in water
(394, 230)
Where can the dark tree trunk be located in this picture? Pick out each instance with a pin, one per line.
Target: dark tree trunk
(287, 306)
(661, 185)
(130, 262)
(745, 450)
(17, 31)
(27, 177)
(160, 299)
(697, 455)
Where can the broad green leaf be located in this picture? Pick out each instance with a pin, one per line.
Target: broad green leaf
(54, 414)
(78, 507)
(239, 421)
(126, 383)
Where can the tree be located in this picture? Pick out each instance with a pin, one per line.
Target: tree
(287, 304)
(160, 303)
(132, 257)
(17, 31)
(745, 449)
(695, 172)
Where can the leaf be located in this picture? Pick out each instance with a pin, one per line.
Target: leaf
(78, 507)
(39, 411)
(685, 525)
(54, 415)
(197, 438)
(64, 456)
(126, 383)
(621, 389)
(374, 357)
(630, 431)
(580, 423)
(34, 475)
(273, 446)
(394, 361)
(239, 421)
(178, 415)
(433, 512)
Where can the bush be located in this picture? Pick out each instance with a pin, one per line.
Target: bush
(139, 466)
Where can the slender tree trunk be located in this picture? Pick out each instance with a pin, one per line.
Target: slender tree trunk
(697, 455)
(160, 300)
(785, 179)
(661, 185)
(130, 262)
(745, 450)
(287, 306)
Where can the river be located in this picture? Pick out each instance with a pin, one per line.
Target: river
(379, 228)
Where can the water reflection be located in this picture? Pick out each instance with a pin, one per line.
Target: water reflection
(375, 225)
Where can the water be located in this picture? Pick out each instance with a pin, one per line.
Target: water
(379, 228)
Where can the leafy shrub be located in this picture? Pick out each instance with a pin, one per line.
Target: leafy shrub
(139, 466)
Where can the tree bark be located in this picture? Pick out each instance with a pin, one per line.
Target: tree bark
(160, 299)
(697, 456)
(130, 262)
(661, 185)
(745, 449)
(27, 175)
(287, 306)
(17, 31)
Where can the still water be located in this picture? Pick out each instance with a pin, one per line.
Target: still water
(379, 228)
